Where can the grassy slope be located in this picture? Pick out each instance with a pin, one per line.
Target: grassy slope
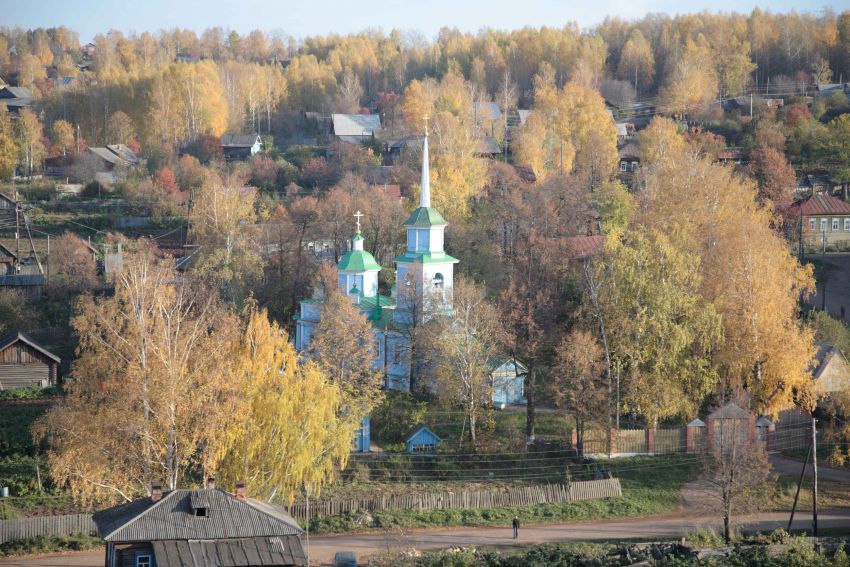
(650, 487)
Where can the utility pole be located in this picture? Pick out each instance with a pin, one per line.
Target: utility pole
(814, 477)
(799, 485)
(17, 232)
(751, 105)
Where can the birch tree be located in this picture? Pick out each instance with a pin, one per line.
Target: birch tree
(464, 344)
(151, 385)
(288, 432)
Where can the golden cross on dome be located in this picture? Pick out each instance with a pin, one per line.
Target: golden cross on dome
(357, 215)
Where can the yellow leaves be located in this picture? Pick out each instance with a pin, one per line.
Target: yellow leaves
(287, 434)
(747, 274)
(566, 128)
(661, 142)
(152, 384)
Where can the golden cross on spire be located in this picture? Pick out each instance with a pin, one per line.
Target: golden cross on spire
(425, 118)
(357, 215)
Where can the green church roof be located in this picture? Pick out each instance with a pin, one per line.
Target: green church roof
(426, 258)
(358, 261)
(425, 217)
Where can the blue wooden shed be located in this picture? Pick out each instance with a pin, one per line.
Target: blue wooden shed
(363, 436)
(507, 378)
(422, 441)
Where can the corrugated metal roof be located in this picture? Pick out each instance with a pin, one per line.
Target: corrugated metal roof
(173, 517)
(823, 204)
(235, 552)
(356, 124)
(239, 140)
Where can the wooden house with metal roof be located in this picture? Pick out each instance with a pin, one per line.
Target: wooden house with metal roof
(199, 528)
(26, 364)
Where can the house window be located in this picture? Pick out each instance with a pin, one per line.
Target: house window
(813, 224)
(834, 225)
(144, 560)
(623, 166)
(847, 225)
(425, 448)
(200, 512)
(634, 166)
(823, 225)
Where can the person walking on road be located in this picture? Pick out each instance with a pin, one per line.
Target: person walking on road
(516, 526)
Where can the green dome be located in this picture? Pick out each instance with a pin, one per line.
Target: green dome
(358, 261)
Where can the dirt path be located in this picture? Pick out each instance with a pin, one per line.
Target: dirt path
(791, 468)
(322, 548)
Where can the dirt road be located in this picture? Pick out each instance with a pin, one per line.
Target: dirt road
(322, 548)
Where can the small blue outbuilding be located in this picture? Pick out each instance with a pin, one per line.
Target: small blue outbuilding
(422, 441)
(363, 436)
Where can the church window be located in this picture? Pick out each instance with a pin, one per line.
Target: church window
(439, 281)
(397, 354)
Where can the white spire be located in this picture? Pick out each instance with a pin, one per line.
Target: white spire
(425, 186)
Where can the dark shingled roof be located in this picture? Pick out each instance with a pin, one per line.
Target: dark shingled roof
(236, 552)
(173, 518)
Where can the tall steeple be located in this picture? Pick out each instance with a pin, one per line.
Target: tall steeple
(425, 189)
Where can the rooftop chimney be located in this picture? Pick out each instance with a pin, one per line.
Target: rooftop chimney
(156, 491)
(211, 482)
(241, 491)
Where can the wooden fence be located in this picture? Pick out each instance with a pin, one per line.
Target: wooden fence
(465, 499)
(11, 530)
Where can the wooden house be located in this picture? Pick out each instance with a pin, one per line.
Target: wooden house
(241, 146)
(826, 222)
(15, 98)
(24, 363)
(199, 528)
(422, 441)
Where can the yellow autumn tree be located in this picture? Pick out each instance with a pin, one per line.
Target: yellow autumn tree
(151, 387)
(287, 433)
(693, 81)
(457, 174)
(568, 129)
(747, 274)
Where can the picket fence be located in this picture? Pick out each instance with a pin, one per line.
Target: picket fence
(11, 530)
(464, 499)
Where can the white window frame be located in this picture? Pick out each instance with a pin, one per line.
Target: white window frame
(823, 223)
(623, 166)
(834, 224)
(144, 555)
(813, 224)
(846, 224)
(634, 166)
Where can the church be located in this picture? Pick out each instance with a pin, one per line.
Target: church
(423, 289)
(424, 276)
